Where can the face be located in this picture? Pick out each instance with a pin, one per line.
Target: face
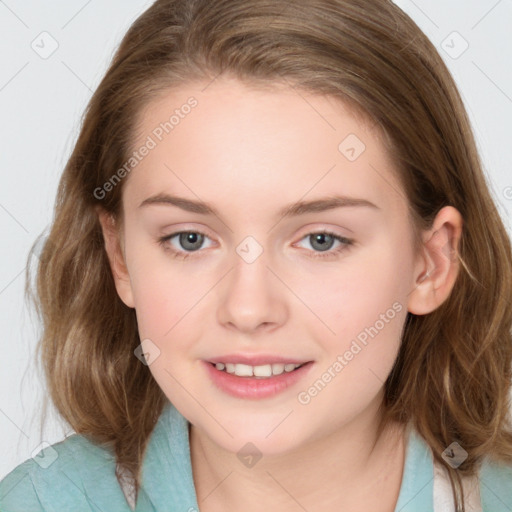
(262, 281)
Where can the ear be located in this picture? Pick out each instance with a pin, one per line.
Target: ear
(115, 253)
(437, 265)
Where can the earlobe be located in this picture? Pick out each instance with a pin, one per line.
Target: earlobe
(438, 265)
(115, 256)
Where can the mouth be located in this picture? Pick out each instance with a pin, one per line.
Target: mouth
(259, 381)
(263, 371)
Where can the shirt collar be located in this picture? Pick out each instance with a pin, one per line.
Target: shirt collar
(416, 489)
(167, 482)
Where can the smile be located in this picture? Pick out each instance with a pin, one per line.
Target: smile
(255, 382)
(262, 371)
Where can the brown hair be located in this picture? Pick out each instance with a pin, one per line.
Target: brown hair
(452, 375)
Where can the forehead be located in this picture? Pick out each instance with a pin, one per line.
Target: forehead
(252, 146)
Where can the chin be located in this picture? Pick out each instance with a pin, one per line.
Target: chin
(264, 439)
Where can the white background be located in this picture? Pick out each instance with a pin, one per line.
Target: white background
(41, 101)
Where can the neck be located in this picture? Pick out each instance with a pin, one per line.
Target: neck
(349, 469)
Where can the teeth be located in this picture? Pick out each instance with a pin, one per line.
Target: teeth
(266, 370)
(277, 369)
(243, 370)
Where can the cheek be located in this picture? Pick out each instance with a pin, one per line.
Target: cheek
(167, 303)
(164, 294)
(359, 356)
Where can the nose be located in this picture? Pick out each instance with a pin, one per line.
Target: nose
(252, 298)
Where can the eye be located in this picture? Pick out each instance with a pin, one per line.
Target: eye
(189, 242)
(323, 241)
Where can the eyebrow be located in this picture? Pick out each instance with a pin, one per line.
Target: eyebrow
(292, 210)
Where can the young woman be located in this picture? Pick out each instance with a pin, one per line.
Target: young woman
(276, 278)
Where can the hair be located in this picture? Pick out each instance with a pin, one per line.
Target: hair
(452, 375)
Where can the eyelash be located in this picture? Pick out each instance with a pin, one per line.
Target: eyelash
(346, 243)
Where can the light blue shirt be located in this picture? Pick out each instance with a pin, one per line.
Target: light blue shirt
(82, 477)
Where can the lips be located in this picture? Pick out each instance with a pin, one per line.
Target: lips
(253, 386)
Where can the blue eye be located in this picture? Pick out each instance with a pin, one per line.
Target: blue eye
(324, 240)
(191, 241)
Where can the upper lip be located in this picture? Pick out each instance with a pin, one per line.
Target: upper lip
(256, 360)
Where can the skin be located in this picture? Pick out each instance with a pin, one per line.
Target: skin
(249, 152)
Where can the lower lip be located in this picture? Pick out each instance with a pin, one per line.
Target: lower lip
(252, 387)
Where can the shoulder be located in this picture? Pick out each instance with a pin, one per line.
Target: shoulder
(496, 486)
(426, 484)
(64, 476)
